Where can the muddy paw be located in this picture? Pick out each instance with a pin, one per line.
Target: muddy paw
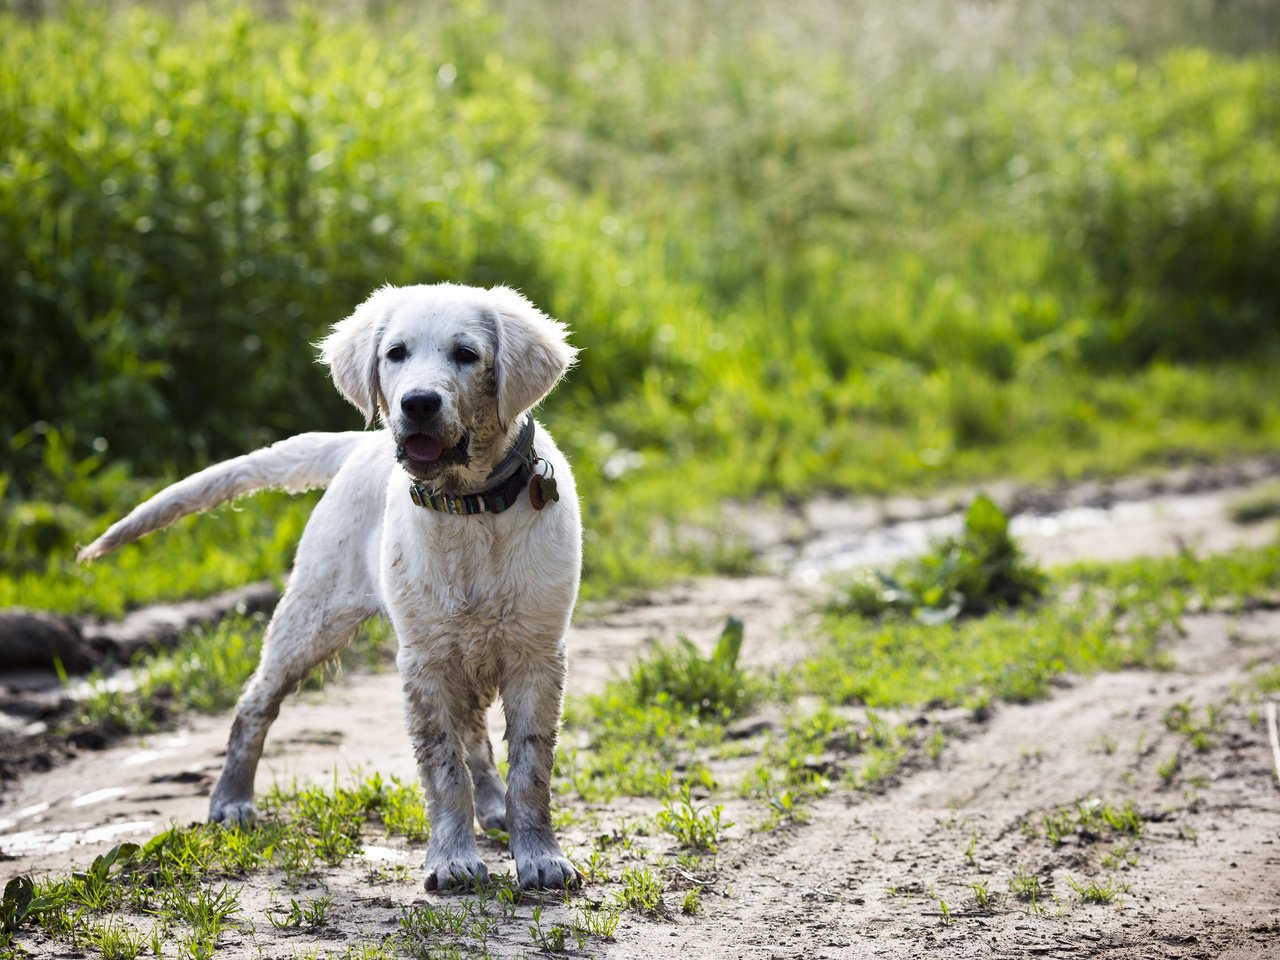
(232, 813)
(456, 874)
(547, 872)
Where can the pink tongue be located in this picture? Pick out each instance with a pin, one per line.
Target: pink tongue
(423, 447)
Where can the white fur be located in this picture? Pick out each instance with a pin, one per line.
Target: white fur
(480, 603)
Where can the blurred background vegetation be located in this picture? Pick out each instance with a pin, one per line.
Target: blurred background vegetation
(855, 246)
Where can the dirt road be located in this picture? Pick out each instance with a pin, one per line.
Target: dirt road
(893, 874)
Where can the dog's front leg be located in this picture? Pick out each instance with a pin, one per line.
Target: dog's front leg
(452, 857)
(531, 695)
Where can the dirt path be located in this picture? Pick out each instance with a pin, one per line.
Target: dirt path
(864, 876)
(1204, 881)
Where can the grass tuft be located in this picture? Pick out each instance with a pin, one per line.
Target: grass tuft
(979, 571)
(713, 686)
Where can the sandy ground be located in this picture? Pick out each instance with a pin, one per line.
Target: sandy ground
(865, 873)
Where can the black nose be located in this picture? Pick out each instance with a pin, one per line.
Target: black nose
(421, 404)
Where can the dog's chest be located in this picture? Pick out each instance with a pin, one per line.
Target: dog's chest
(460, 588)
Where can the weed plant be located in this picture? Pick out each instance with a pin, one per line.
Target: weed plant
(1200, 730)
(1096, 891)
(980, 570)
(1089, 821)
(183, 880)
(1027, 887)
(641, 892)
(695, 826)
(712, 687)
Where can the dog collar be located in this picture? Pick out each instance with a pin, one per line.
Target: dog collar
(516, 472)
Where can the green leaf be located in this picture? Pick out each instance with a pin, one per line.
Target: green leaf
(18, 895)
(729, 646)
(986, 520)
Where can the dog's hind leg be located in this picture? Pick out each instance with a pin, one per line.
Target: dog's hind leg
(330, 593)
(301, 636)
(490, 791)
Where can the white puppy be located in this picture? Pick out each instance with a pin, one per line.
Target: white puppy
(446, 521)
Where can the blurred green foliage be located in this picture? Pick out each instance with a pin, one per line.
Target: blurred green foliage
(799, 253)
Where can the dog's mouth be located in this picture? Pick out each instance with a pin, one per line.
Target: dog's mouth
(424, 455)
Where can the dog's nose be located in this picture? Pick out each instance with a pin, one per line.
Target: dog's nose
(421, 404)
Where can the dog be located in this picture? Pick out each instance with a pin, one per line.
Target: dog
(457, 520)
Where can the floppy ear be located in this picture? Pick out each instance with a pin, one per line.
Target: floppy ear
(532, 354)
(351, 352)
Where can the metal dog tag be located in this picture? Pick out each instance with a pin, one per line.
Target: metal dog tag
(542, 490)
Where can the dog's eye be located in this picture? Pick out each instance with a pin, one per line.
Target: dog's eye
(397, 353)
(464, 356)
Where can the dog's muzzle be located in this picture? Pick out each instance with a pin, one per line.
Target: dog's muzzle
(424, 455)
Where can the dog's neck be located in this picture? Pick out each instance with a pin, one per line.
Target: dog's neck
(495, 458)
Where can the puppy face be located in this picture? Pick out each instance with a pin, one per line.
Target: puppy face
(435, 370)
(450, 370)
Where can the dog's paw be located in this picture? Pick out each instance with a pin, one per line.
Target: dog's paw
(458, 873)
(233, 813)
(547, 872)
(492, 820)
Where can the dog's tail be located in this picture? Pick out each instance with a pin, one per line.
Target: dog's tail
(304, 462)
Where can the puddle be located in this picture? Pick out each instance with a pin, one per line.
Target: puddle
(97, 796)
(146, 756)
(39, 842)
(383, 854)
(839, 551)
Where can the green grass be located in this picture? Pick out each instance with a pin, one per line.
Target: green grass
(1027, 888)
(1200, 728)
(641, 892)
(709, 686)
(798, 260)
(695, 826)
(308, 913)
(182, 887)
(670, 701)
(1088, 821)
(1096, 891)
(204, 672)
(1267, 680)
(1093, 617)
(200, 556)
